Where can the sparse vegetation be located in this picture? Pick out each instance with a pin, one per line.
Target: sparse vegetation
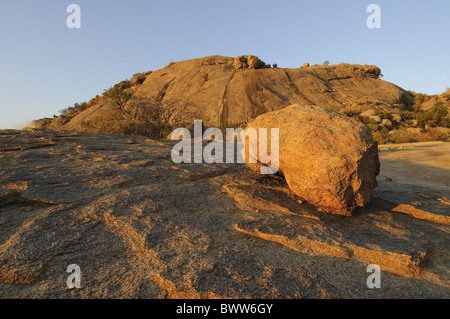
(437, 116)
(140, 77)
(444, 137)
(419, 99)
(43, 123)
(408, 123)
(403, 136)
(152, 118)
(133, 115)
(71, 111)
(381, 136)
(119, 97)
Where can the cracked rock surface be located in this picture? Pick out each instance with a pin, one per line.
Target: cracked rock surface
(140, 226)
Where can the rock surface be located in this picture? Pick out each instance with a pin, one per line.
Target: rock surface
(141, 227)
(248, 62)
(226, 92)
(327, 158)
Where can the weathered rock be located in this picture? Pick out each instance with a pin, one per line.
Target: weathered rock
(392, 132)
(369, 113)
(375, 118)
(416, 130)
(414, 123)
(248, 62)
(396, 117)
(372, 69)
(140, 226)
(428, 105)
(386, 122)
(328, 159)
(210, 89)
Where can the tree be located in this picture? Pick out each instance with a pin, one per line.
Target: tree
(326, 63)
(152, 117)
(118, 97)
(69, 111)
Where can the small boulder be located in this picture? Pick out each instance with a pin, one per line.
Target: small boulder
(248, 62)
(396, 117)
(372, 69)
(416, 130)
(328, 159)
(375, 118)
(369, 113)
(428, 105)
(386, 122)
(414, 123)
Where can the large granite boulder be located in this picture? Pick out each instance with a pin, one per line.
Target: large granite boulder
(328, 159)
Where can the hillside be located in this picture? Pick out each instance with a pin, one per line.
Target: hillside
(228, 92)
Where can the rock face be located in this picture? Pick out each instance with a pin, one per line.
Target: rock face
(248, 62)
(140, 226)
(386, 122)
(227, 92)
(327, 159)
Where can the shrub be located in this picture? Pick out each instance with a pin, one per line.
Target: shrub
(407, 115)
(419, 98)
(80, 107)
(382, 136)
(403, 136)
(140, 77)
(71, 111)
(437, 116)
(444, 137)
(118, 97)
(67, 111)
(374, 127)
(142, 116)
(42, 123)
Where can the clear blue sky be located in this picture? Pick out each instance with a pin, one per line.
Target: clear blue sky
(44, 66)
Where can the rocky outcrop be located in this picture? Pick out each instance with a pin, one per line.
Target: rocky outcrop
(228, 92)
(140, 226)
(327, 159)
(250, 62)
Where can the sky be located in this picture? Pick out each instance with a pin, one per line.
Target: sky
(45, 66)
